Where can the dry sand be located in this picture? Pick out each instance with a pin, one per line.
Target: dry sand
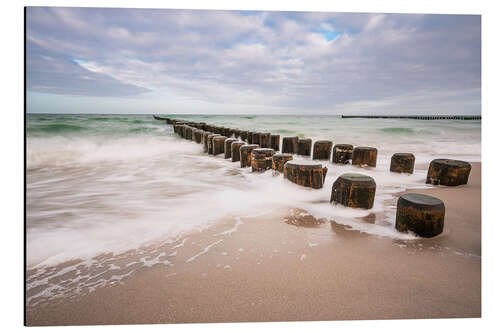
(270, 270)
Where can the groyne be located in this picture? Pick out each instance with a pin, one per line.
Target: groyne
(261, 151)
(456, 117)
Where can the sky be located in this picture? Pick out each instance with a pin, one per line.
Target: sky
(111, 60)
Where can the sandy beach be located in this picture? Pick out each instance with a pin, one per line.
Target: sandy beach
(290, 266)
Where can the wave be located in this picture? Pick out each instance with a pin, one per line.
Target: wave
(395, 130)
(57, 128)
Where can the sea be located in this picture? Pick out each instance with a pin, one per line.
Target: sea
(105, 185)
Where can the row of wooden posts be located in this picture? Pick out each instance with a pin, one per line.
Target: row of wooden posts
(421, 214)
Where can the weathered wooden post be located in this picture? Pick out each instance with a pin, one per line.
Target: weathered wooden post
(181, 130)
(304, 147)
(227, 147)
(448, 172)
(197, 134)
(275, 141)
(218, 144)
(243, 135)
(256, 138)
(250, 137)
(189, 132)
(204, 140)
(322, 150)
(354, 190)
(245, 155)
(261, 159)
(364, 155)
(421, 214)
(210, 143)
(290, 145)
(265, 140)
(176, 129)
(342, 153)
(184, 129)
(304, 173)
(219, 130)
(235, 150)
(402, 162)
(279, 161)
(236, 133)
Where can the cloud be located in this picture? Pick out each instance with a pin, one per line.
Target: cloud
(302, 62)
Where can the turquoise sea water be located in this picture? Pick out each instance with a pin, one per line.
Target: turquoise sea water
(113, 183)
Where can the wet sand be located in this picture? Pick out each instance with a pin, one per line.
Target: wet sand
(291, 266)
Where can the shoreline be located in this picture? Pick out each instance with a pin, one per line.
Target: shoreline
(292, 267)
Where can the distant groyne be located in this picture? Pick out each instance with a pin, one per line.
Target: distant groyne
(417, 117)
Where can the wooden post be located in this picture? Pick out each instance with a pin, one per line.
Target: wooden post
(250, 137)
(304, 173)
(197, 134)
(261, 159)
(265, 140)
(448, 172)
(322, 150)
(204, 140)
(421, 214)
(210, 143)
(243, 135)
(227, 147)
(354, 190)
(279, 161)
(402, 162)
(342, 153)
(365, 155)
(256, 138)
(275, 141)
(245, 155)
(290, 145)
(218, 144)
(235, 150)
(304, 147)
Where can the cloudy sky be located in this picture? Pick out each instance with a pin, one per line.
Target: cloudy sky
(96, 60)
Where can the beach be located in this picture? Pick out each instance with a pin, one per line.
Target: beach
(267, 250)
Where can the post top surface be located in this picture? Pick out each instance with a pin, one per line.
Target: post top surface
(421, 199)
(304, 163)
(456, 163)
(356, 177)
(365, 148)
